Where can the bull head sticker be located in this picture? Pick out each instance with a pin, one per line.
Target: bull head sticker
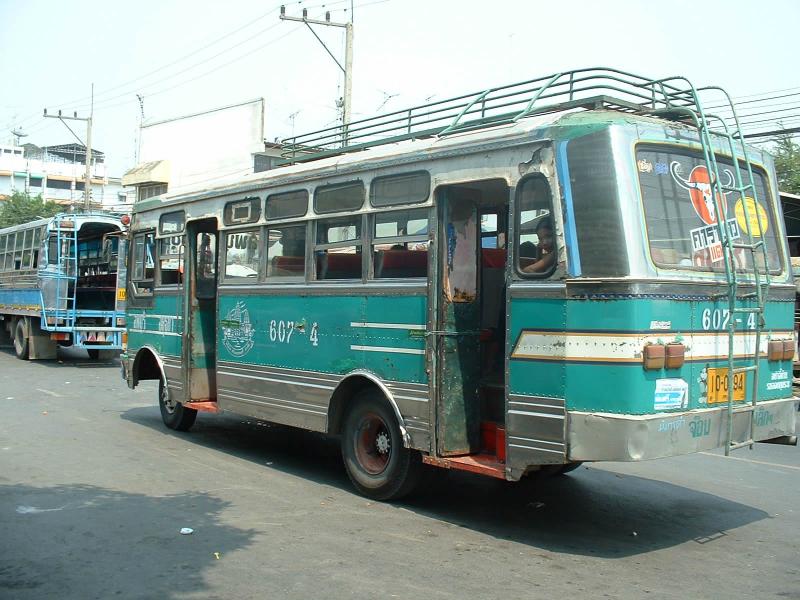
(699, 186)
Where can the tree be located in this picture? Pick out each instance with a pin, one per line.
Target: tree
(22, 207)
(787, 164)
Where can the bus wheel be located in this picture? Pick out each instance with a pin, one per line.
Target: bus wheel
(174, 414)
(377, 463)
(21, 348)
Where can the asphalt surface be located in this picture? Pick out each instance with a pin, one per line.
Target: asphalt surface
(94, 491)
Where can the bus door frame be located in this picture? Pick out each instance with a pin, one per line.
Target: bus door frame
(200, 316)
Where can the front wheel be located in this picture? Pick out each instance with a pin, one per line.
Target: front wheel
(377, 463)
(174, 414)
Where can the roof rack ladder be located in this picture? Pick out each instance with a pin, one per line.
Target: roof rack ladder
(63, 315)
(761, 280)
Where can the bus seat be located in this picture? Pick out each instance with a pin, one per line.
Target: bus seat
(401, 263)
(493, 258)
(338, 266)
(288, 265)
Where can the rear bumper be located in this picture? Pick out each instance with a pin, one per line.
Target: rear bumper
(606, 436)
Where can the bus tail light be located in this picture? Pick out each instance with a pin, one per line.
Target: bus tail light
(653, 357)
(775, 350)
(59, 336)
(124, 340)
(675, 355)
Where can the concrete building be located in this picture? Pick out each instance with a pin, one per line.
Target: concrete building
(201, 149)
(58, 174)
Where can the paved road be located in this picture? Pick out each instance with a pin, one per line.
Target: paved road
(94, 491)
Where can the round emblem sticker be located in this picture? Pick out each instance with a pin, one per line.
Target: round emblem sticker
(757, 213)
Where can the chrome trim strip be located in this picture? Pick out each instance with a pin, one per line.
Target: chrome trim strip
(313, 385)
(263, 397)
(229, 396)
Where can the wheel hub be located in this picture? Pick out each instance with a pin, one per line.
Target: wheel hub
(373, 444)
(382, 443)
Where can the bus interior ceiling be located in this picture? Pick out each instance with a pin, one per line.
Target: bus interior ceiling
(97, 267)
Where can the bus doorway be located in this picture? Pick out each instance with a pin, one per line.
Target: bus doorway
(470, 314)
(200, 310)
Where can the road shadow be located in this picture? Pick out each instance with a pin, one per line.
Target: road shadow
(592, 511)
(82, 541)
(67, 357)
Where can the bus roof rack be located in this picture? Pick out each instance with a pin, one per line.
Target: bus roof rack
(582, 88)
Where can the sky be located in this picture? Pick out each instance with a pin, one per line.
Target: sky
(185, 57)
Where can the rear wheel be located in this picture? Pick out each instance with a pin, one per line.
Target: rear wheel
(174, 414)
(377, 463)
(21, 344)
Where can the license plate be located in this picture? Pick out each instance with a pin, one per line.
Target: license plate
(718, 386)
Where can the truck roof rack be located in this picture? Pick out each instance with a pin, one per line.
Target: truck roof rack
(590, 88)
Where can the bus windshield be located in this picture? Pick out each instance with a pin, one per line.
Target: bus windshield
(681, 215)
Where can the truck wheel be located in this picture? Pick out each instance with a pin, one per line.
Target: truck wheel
(174, 414)
(377, 463)
(21, 348)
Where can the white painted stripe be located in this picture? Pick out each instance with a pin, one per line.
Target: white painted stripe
(388, 349)
(156, 332)
(628, 348)
(388, 326)
(535, 414)
(148, 315)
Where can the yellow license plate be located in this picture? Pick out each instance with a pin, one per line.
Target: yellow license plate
(718, 386)
(121, 294)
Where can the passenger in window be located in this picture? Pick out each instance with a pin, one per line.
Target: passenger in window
(546, 249)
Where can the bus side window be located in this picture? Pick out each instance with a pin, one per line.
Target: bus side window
(170, 260)
(536, 242)
(338, 248)
(286, 253)
(243, 256)
(400, 244)
(143, 271)
(206, 267)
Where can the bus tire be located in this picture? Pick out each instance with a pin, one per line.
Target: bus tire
(376, 461)
(21, 342)
(174, 414)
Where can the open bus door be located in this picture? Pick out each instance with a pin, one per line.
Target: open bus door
(199, 349)
(458, 323)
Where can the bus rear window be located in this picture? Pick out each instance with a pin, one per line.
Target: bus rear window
(681, 214)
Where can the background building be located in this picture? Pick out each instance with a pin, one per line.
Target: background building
(58, 174)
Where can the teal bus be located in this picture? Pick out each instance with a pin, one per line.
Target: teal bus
(581, 267)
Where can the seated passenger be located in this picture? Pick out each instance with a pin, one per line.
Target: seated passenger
(546, 249)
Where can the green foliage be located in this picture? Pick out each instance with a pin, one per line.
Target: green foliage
(22, 207)
(787, 164)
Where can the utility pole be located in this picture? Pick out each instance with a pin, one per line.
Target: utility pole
(348, 58)
(87, 185)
